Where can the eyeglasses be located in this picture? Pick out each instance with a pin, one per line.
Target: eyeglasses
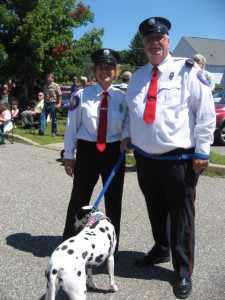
(158, 38)
(106, 68)
(40, 95)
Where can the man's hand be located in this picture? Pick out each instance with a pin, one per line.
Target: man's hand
(200, 165)
(124, 145)
(58, 106)
(69, 167)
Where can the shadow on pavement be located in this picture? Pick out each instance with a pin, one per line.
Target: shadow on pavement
(43, 246)
(40, 246)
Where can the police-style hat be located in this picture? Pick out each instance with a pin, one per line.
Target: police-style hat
(154, 24)
(105, 55)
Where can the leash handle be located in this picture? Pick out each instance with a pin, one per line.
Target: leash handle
(95, 206)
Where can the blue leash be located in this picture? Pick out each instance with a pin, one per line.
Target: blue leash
(172, 157)
(143, 153)
(95, 206)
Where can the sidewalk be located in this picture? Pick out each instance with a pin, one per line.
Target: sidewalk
(212, 167)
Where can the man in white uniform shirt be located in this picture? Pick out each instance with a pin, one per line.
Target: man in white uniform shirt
(183, 128)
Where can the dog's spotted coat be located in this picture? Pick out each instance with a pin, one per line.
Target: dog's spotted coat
(91, 247)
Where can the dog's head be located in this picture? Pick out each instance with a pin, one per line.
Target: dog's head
(82, 217)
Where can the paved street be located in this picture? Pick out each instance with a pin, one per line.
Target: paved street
(34, 196)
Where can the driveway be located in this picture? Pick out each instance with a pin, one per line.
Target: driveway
(34, 196)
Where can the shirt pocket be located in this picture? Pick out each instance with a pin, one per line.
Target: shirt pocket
(169, 93)
(116, 122)
(90, 119)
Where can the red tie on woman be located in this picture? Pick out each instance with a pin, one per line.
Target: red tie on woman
(149, 115)
(102, 126)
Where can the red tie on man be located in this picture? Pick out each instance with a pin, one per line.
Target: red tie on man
(102, 126)
(149, 115)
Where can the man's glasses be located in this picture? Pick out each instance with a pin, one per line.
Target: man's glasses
(158, 38)
(40, 95)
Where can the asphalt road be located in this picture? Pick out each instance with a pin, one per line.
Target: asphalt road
(33, 201)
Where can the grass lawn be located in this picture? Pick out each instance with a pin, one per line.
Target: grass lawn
(47, 138)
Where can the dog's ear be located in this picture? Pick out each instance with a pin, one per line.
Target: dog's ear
(83, 211)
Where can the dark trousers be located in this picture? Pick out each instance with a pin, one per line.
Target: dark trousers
(169, 190)
(90, 164)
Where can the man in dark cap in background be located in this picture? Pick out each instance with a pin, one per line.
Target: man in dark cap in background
(94, 127)
(172, 121)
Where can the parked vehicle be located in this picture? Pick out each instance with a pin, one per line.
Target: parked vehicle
(219, 101)
(66, 93)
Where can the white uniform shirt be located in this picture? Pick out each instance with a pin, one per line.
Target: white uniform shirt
(83, 117)
(185, 112)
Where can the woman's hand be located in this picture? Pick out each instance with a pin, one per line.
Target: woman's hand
(124, 145)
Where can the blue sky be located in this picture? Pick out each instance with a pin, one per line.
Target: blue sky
(121, 18)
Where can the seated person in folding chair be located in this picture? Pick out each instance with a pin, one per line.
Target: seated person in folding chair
(5, 120)
(34, 111)
(15, 112)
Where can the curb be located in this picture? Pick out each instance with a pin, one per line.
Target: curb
(59, 147)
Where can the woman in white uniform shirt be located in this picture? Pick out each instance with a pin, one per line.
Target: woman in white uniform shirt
(81, 134)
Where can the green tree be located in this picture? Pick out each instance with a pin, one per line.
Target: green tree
(37, 37)
(136, 55)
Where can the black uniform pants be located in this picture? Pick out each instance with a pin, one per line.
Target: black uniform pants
(169, 190)
(90, 164)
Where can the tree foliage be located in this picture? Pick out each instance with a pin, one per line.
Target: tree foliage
(136, 55)
(36, 37)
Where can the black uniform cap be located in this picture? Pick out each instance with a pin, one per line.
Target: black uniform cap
(154, 24)
(105, 55)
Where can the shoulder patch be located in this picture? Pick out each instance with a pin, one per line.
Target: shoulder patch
(189, 63)
(201, 77)
(74, 103)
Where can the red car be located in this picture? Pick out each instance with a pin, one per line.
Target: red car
(219, 101)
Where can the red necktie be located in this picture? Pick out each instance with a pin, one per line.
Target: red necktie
(102, 126)
(149, 115)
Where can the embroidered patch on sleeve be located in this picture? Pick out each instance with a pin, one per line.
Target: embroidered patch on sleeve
(74, 103)
(201, 77)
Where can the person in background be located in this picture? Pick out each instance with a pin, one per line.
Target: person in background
(34, 111)
(11, 87)
(201, 61)
(98, 146)
(83, 81)
(5, 120)
(52, 102)
(123, 87)
(172, 121)
(126, 76)
(15, 112)
(5, 94)
(74, 84)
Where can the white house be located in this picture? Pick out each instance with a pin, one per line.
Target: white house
(213, 50)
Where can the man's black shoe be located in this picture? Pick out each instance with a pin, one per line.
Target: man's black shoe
(182, 287)
(151, 259)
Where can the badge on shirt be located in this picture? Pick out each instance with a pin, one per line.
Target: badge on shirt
(74, 103)
(202, 78)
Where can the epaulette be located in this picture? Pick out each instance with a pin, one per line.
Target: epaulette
(189, 63)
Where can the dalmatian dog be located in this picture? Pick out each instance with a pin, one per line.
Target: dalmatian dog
(94, 244)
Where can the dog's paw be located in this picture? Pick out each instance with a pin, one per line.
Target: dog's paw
(92, 285)
(113, 288)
